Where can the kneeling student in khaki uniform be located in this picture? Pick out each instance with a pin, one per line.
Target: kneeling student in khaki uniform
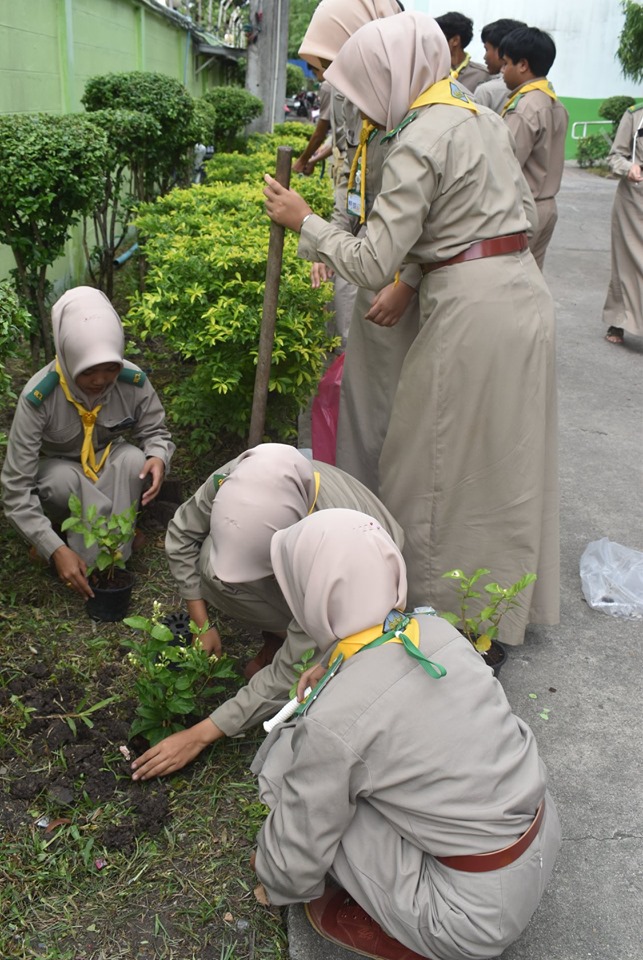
(68, 433)
(406, 776)
(218, 549)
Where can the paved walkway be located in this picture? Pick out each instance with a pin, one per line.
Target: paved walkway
(588, 669)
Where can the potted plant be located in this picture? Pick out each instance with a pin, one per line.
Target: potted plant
(111, 582)
(481, 629)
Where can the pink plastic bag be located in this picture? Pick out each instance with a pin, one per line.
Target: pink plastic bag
(325, 412)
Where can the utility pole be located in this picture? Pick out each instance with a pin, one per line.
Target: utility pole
(267, 56)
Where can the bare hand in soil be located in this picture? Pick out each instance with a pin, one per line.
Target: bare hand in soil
(72, 570)
(211, 641)
(154, 467)
(175, 751)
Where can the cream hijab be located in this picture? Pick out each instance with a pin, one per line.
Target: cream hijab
(271, 487)
(87, 331)
(386, 65)
(334, 21)
(340, 573)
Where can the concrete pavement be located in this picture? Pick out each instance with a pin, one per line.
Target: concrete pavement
(587, 670)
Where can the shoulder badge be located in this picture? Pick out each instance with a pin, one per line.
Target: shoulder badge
(635, 107)
(514, 104)
(411, 117)
(135, 377)
(218, 479)
(42, 390)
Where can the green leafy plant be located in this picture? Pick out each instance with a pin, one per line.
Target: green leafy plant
(16, 325)
(162, 155)
(592, 149)
(300, 667)
(613, 109)
(172, 677)
(482, 627)
(108, 533)
(630, 48)
(234, 109)
(51, 170)
(206, 251)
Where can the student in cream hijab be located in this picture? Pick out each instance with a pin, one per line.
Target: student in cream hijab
(384, 320)
(406, 779)
(218, 549)
(69, 435)
(469, 461)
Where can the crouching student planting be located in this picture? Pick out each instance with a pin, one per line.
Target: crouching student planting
(406, 777)
(67, 436)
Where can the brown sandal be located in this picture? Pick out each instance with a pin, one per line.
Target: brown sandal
(614, 335)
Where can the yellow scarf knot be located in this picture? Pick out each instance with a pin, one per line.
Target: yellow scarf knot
(360, 156)
(91, 468)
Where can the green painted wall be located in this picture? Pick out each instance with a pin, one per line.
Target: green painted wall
(50, 48)
(581, 110)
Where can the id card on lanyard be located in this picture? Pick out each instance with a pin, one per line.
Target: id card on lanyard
(354, 203)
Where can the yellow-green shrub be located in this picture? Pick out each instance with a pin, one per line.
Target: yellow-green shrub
(206, 250)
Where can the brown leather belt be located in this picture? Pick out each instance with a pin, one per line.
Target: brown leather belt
(511, 243)
(482, 862)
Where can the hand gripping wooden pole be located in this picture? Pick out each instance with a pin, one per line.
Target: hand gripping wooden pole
(269, 315)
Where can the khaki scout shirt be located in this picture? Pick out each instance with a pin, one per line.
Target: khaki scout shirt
(185, 544)
(539, 126)
(473, 75)
(450, 177)
(444, 762)
(376, 152)
(54, 429)
(493, 93)
(620, 157)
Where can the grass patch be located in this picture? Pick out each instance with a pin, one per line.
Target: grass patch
(176, 881)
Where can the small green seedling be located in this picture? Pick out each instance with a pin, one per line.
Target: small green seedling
(109, 533)
(481, 628)
(300, 668)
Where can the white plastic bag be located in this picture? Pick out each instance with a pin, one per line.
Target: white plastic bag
(612, 579)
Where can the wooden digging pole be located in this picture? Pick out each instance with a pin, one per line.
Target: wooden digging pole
(269, 315)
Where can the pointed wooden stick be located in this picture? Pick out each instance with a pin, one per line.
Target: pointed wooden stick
(269, 315)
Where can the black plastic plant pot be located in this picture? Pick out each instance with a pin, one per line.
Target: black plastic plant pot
(179, 626)
(495, 656)
(110, 602)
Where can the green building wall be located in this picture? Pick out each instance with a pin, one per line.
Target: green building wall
(50, 48)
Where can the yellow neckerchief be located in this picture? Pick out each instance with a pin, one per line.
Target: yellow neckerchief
(353, 644)
(91, 469)
(360, 154)
(444, 91)
(317, 483)
(544, 85)
(456, 71)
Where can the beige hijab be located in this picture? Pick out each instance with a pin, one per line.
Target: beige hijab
(340, 573)
(87, 331)
(334, 21)
(386, 65)
(271, 487)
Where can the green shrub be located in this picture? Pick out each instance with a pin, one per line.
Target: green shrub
(128, 134)
(592, 149)
(162, 158)
(206, 249)
(15, 327)
(295, 79)
(234, 109)
(51, 171)
(613, 109)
